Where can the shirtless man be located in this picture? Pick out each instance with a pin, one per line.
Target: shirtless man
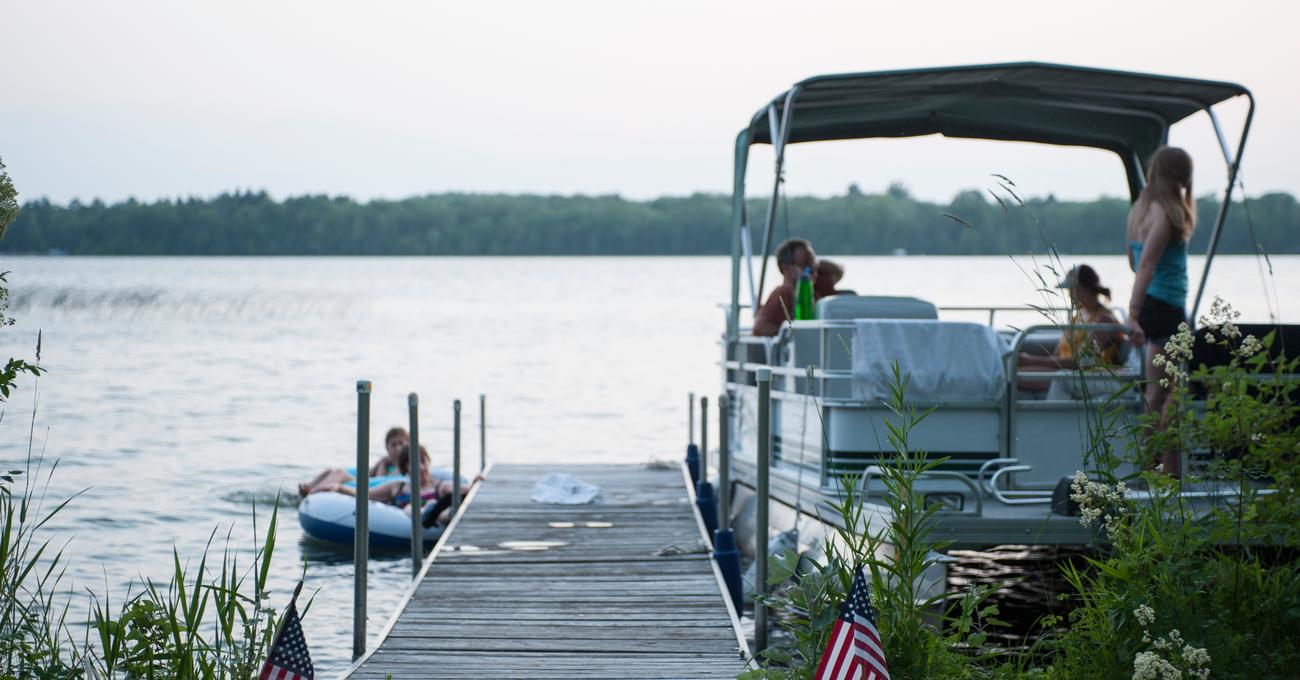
(792, 257)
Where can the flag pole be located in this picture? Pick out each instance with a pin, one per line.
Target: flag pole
(279, 627)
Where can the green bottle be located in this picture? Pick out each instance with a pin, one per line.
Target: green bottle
(803, 297)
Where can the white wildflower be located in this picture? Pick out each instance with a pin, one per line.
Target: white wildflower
(1149, 666)
(1145, 615)
(1257, 438)
(1098, 503)
(1250, 346)
(1196, 656)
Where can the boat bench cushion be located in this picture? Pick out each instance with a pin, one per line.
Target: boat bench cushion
(845, 306)
(944, 361)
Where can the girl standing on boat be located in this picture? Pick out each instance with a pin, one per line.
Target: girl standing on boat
(1160, 224)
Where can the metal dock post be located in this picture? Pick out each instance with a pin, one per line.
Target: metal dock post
(764, 375)
(455, 458)
(482, 432)
(704, 496)
(413, 465)
(692, 452)
(724, 541)
(361, 527)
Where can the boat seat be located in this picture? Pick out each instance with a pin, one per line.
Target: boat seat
(955, 367)
(843, 307)
(806, 346)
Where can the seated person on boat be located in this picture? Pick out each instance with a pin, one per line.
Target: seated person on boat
(828, 276)
(1078, 347)
(793, 256)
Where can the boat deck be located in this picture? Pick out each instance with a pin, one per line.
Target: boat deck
(520, 589)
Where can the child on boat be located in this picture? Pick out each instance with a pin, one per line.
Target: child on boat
(1077, 347)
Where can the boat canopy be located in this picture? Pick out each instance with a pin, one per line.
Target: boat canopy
(1127, 113)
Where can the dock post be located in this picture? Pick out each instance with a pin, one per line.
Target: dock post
(361, 527)
(724, 542)
(482, 432)
(413, 465)
(692, 452)
(455, 458)
(761, 530)
(704, 497)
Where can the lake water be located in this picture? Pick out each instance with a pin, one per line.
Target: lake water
(180, 390)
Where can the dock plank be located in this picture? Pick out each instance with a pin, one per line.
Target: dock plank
(519, 589)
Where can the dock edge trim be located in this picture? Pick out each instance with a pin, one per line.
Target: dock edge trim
(415, 583)
(736, 628)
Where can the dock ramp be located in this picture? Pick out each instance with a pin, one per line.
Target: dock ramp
(614, 589)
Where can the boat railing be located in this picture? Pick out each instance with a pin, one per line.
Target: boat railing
(870, 472)
(1027, 424)
(993, 310)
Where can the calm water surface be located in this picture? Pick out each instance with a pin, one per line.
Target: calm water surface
(181, 390)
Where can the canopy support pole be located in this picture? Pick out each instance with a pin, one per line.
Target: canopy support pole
(1218, 132)
(739, 233)
(1234, 165)
(778, 144)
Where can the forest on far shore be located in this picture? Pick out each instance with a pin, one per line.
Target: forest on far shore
(973, 223)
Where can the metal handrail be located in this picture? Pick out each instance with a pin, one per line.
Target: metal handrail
(994, 309)
(1027, 497)
(979, 474)
(870, 471)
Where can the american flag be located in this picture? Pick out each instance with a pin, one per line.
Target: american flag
(289, 658)
(854, 649)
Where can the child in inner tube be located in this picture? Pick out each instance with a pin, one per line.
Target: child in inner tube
(396, 442)
(436, 493)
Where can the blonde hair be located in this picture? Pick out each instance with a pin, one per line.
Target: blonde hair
(1169, 185)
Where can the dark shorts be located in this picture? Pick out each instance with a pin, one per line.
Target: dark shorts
(1159, 319)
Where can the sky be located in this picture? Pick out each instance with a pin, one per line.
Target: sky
(153, 99)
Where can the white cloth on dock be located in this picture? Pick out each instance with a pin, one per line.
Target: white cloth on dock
(564, 489)
(946, 360)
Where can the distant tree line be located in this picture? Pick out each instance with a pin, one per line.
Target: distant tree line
(254, 223)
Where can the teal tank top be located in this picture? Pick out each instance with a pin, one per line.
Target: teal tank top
(1169, 282)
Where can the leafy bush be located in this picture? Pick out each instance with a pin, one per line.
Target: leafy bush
(1204, 587)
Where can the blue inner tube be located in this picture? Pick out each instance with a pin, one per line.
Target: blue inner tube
(331, 517)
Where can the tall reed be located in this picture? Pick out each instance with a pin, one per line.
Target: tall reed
(212, 619)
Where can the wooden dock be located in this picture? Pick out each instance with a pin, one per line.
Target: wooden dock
(519, 589)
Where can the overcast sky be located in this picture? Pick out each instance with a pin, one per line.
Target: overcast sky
(391, 99)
